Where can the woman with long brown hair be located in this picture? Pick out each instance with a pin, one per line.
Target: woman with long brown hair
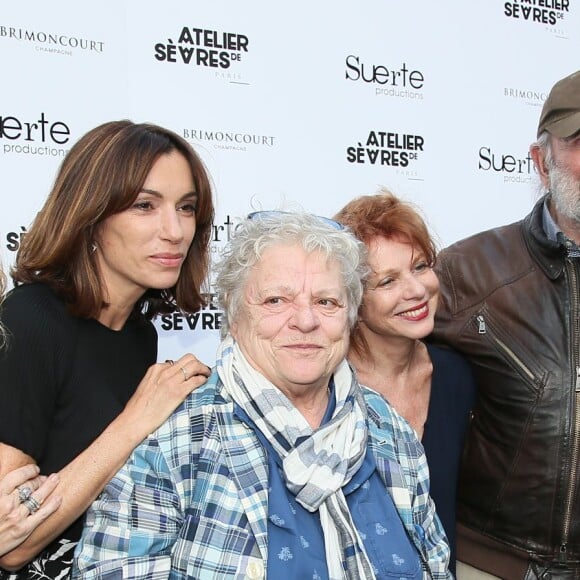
(122, 237)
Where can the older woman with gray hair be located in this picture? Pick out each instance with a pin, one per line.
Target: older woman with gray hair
(281, 465)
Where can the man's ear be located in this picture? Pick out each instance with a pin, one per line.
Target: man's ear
(539, 157)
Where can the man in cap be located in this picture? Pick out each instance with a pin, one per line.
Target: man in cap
(511, 304)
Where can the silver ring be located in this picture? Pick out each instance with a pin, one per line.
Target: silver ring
(171, 362)
(31, 504)
(185, 377)
(24, 493)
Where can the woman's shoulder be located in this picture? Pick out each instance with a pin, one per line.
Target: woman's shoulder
(448, 361)
(197, 410)
(444, 354)
(453, 379)
(33, 293)
(204, 422)
(34, 304)
(34, 296)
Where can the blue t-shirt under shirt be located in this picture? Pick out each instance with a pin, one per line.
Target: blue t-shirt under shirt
(295, 537)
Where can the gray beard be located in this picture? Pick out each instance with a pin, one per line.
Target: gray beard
(565, 192)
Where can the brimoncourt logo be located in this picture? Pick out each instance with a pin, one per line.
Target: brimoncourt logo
(527, 96)
(228, 140)
(54, 42)
(203, 48)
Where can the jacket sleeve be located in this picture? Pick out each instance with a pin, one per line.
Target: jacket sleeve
(132, 527)
(444, 331)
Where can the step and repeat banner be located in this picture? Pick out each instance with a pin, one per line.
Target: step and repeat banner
(291, 105)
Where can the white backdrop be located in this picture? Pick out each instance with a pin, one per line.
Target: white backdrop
(308, 105)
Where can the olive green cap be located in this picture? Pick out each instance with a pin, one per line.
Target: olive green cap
(561, 113)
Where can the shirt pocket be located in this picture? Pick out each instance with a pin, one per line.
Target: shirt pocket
(210, 548)
(390, 549)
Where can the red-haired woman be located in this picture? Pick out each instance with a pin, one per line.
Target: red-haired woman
(430, 387)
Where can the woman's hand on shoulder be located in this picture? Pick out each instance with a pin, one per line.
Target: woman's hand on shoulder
(17, 519)
(163, 388)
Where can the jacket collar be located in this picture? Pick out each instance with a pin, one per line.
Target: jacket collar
(549, 255)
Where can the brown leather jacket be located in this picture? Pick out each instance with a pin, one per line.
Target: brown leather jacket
(510, 303)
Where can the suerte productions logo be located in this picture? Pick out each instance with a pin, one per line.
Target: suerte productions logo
(221, 234)
(40, 136)
(550, 13)
(205, 48)
(512, 168)
(228, 140)
(387, 148)
(386, 81)
(52, 42)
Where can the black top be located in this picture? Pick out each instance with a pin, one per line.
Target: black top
(63, 379)
(452, 398)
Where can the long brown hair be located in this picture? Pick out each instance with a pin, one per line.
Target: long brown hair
(385, 215)
(102, 175)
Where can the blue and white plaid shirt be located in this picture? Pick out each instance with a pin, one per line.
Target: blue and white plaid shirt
(192, 500)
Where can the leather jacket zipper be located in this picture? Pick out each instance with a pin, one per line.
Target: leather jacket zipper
(509, 353)
(482, 328)
(575, 437)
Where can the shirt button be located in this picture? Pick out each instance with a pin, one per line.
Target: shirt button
(255, 570)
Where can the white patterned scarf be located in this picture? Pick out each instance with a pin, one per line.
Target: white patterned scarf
(317, 463)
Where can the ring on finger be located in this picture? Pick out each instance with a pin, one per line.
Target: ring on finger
(24, 493)
(31, 504)
(185, 377)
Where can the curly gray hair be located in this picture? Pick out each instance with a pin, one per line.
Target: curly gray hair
(263, 230)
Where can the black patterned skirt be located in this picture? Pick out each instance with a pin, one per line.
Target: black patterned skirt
(53, 563)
